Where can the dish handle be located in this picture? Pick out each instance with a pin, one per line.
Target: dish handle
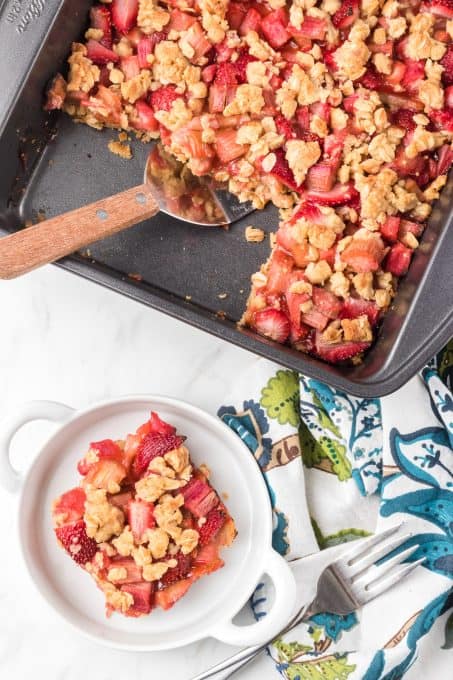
(10, 478)
(284, 603)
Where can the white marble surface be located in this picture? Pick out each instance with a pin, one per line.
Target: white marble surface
(65, 339)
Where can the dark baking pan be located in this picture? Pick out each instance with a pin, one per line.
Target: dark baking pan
(50, 165)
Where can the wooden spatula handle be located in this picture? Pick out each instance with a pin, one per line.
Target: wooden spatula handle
(59, 236)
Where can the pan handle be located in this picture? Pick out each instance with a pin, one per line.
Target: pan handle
(59, 236)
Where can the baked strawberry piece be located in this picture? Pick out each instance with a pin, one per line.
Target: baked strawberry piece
(144, 522)
(339, 113)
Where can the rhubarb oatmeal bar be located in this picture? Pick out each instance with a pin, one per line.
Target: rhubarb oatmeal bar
(338, 112)
(143, 522)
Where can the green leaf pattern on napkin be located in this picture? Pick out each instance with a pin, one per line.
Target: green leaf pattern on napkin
(280, 398)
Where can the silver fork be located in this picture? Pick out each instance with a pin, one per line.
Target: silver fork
(345, 585)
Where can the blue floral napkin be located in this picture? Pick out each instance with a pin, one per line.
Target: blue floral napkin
(359, 465)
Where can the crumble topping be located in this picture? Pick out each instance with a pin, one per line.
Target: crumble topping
(420, 44)
(169, 63)
(168, 514)
(301, 156)
(103, 520)
(117, 574)
(187, 540)
(340, 106)
(213, 18)
(83, 74)
(178, 459)
(151, 17)
(254, 234)
(154, 572)
(124, 544)
(120, 149)
(152, 487)
(117, 599)
(138, 565)
(248, 99)
(353, 55)
(158, 541)
(136, 87)
(357, 330)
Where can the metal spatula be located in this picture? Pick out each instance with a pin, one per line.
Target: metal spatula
(168, 186)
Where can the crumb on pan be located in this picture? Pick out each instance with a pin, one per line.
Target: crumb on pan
(254, 234)
(120, 149)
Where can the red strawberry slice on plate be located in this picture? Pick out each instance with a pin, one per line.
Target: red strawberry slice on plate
(124, 14)
(273, 324)
(207, 560)
(99, 54)
(121, 500)
(142, 593)
(70, 506)
(160, 426)
(105, 473)
(167, 597)
(181, 571)
(133, 571)
(76, 542)
(100, 18)
(141, 517)
(107, 448)
(214, 522)
(153, 445)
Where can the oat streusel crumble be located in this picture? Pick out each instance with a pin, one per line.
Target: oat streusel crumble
(144, 522)
(339, 112)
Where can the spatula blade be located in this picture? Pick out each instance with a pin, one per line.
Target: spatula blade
(186, 197)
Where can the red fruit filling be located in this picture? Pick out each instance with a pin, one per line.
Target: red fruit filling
(144, 522)
(343, 115)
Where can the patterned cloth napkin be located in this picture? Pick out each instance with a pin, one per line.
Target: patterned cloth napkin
(360, 465)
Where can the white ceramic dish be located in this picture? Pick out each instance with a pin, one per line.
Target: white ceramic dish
(212, 603)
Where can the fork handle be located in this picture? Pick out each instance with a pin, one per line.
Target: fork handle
(59, 236)
(228, 667)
